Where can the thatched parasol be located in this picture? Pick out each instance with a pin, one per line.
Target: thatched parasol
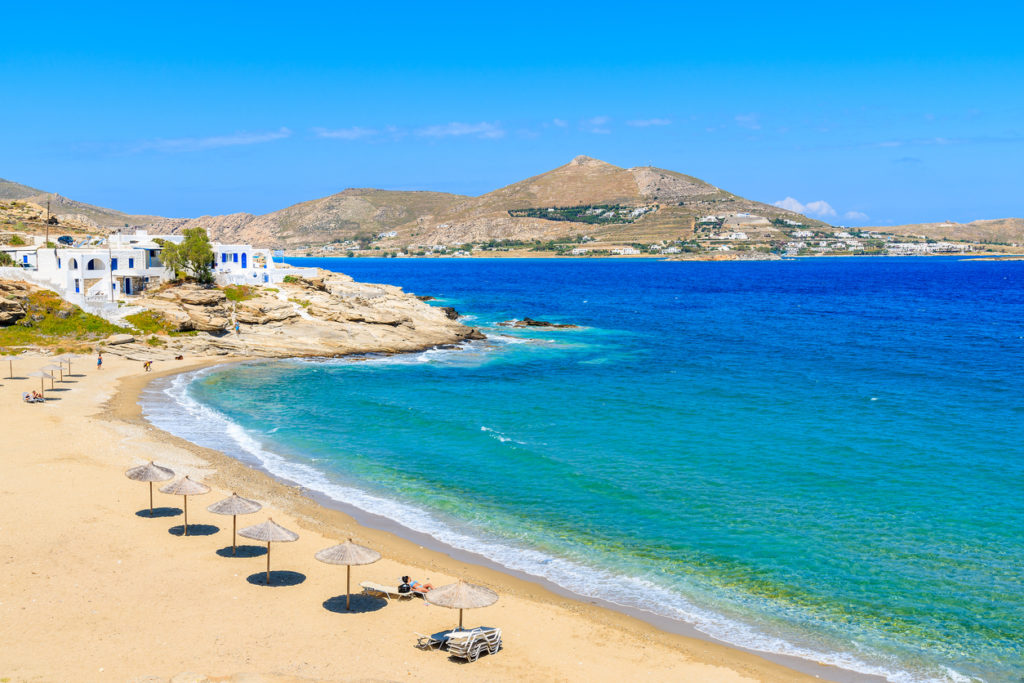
(348, 554)
(269, 531)
(150, 472)
(58, 367)
(235, 505)
(42, 378)
(186, 487)
(66, 358)
(461, 596)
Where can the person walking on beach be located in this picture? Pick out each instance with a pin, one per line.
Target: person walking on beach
(147, 366)
(99, 361)
(238, 330)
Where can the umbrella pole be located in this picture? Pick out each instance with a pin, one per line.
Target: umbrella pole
(348, 588)
(10, 369)
(186, 515)
(150, 499)
(268, 563)
(460, 619)
(234, 532)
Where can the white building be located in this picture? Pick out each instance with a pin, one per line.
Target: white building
(125, 265)
(802, 233)
(626, 251)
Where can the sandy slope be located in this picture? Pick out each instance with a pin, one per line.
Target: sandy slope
(93, 592)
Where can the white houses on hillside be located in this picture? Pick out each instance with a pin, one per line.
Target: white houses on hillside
(127, 264)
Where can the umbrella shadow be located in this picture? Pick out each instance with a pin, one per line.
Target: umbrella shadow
(277, 578)
(160, 512)
(360, 604)
(48, 399)
(243, 551)
(59, 389)
(194, 530)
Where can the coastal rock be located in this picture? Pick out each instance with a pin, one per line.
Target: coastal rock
(323, 314)
(475, 334)
(264, 310)
(11, 311)
(530, 322)
(450, 312)
(117, 339)
(189, 307)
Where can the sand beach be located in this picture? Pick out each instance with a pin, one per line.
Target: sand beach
(96, 590)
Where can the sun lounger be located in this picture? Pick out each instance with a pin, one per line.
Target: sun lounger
(27, 398)
(470, 644)
(389, 592)
(432, 642)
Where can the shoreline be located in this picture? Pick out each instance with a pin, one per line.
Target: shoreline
(396, 542)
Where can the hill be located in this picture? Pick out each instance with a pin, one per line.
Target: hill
(585, 197)
(995, 231)
(350, 214)
(671, 203)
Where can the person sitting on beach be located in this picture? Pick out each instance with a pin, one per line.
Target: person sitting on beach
(415, 586)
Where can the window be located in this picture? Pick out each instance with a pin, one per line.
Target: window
(58, 263)
(235, 258)
(113, 264)
(131, 263)
(223, 258)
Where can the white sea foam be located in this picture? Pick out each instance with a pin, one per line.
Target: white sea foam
(169, 406)
(500, 437)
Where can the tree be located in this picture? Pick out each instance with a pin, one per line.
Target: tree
(193, 257)
(5, 259)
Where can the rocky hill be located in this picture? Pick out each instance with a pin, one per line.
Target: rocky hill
(667, 203)
(587, 196)
(997, 231)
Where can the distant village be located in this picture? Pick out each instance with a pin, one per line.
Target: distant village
(741, 234)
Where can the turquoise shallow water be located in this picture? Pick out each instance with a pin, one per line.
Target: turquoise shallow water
(817, 457)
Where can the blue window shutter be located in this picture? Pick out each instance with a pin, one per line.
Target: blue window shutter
(131, 263)
(113, 264)
(235, 255)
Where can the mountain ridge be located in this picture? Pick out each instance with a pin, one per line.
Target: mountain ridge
(667, 205)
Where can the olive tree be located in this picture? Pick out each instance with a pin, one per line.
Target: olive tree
(193, 257)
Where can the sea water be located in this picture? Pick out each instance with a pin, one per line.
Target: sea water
(813, 457)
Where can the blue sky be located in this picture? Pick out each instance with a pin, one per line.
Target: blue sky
(880, 113)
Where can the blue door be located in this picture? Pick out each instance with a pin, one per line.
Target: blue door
(243, 259)
(127, 285)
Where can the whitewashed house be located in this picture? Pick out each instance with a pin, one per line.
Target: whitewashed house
(125, 265)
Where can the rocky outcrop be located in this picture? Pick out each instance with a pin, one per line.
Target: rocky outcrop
(326, 314)
(12, 302)
(191, 307)
(264, 310)
(530, 322)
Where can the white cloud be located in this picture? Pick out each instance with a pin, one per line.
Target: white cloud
(596, 124)
(353, 133)
(819, 208)
(482, 130)
(213, 142)
(751, 121)
(644, 123)
(855, 216)
(561, 123)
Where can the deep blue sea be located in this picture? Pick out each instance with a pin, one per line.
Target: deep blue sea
(819, 457)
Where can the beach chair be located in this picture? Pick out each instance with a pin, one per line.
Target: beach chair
(389, 592)
(469, 645)
(432, 642)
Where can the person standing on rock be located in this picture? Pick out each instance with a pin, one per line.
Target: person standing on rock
(238, 330)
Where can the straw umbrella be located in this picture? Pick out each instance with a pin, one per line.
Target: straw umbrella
(235, 505)
(186, 487)
(348, 554)
(59, 368)
(150, 472)
(269, 531)
(66, 358)
(461, 596)
(42, 378)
